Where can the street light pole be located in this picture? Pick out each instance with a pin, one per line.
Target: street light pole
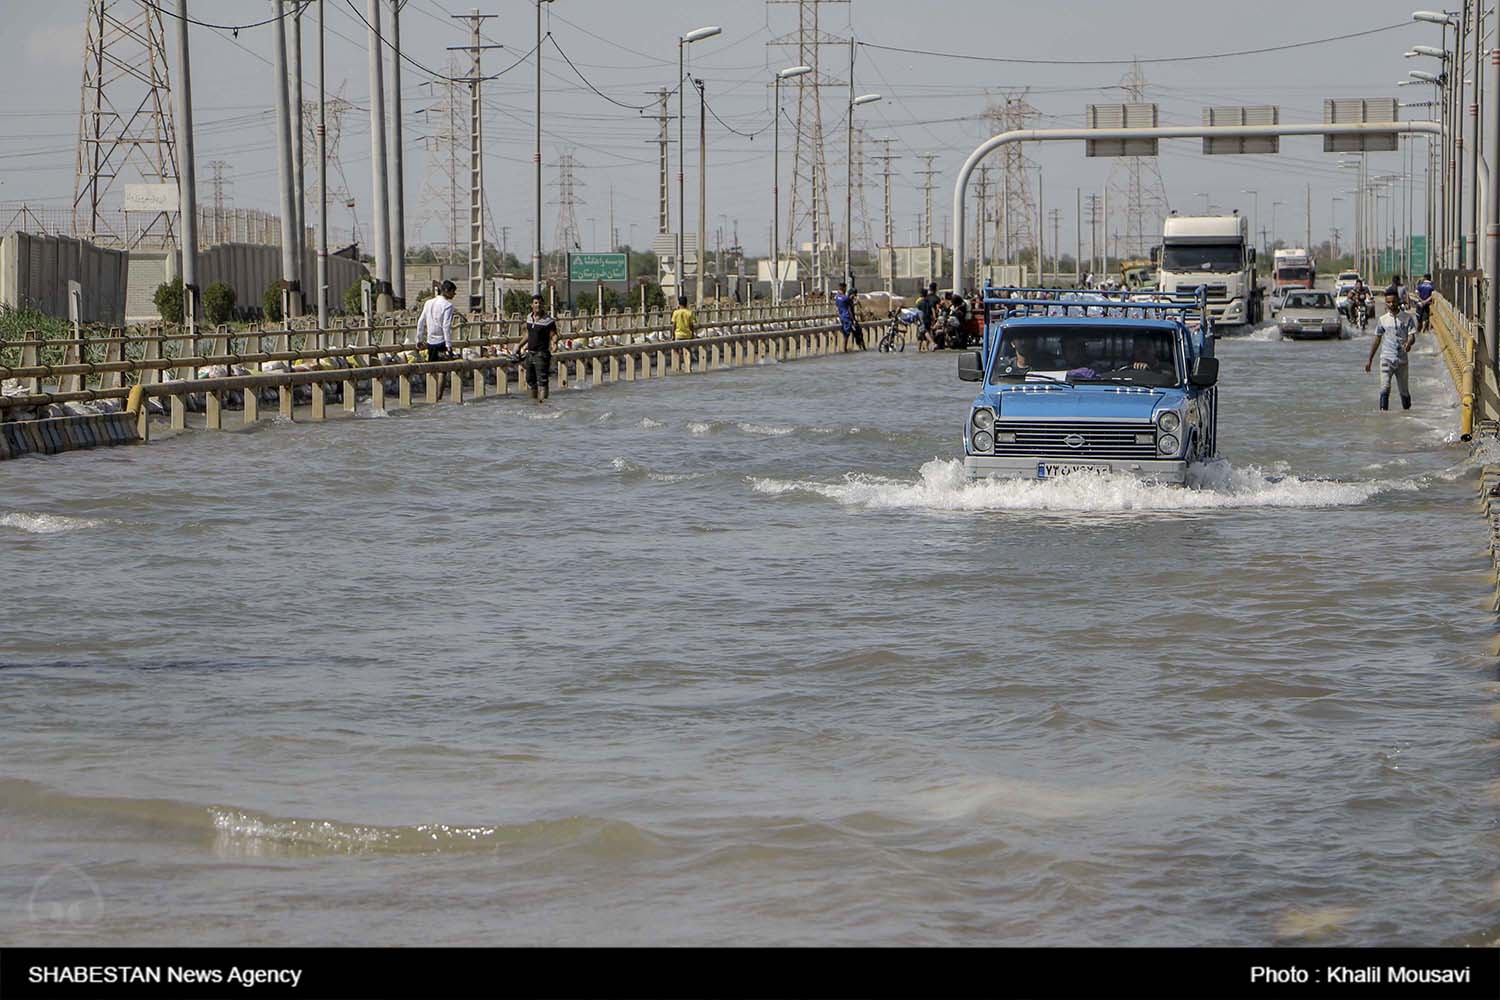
(187, 193)
(536, 161)
(854, 102)
(683, 41)
(322, 275)
(1255, 223)
(785, 74)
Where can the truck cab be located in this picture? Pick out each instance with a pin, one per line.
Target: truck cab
(1085, 382)
(1213, 252)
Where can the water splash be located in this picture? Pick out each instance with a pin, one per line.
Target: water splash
(46, 524)
(943, 485)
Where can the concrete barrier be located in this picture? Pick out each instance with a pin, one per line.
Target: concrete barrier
(54, 435)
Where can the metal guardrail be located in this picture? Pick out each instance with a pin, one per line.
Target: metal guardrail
(812, 336)
(1463, 354)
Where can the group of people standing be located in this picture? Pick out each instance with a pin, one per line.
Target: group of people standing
(948, 321)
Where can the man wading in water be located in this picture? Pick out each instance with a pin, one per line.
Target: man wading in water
(1397, 332)
(541, 333)
(435, 325)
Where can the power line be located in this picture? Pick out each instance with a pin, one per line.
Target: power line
(1127, 62)
(587, 83)
(731, 128)
(230, 27)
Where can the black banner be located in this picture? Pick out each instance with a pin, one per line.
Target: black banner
(868, 974)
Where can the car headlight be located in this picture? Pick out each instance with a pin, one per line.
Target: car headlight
(984, 420)
(1168, 444)
(1169, 422)
(983, 441)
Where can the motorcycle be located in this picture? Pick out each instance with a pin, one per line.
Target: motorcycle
(1362, 316)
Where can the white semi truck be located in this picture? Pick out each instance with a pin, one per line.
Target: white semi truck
(1213, 251)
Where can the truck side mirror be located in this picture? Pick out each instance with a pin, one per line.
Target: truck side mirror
(1205, 373)
(970, 366)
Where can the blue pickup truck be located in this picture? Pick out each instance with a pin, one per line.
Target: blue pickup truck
(1091, 382)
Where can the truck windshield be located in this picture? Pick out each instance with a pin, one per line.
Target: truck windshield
(1082, 354)
(1294, 274)
(1217, 257)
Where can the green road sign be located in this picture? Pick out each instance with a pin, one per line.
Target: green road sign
(1419, 263)
(597, 267)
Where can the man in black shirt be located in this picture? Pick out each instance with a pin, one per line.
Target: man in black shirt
(541, 335)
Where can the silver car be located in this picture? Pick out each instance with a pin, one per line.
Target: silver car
(1309, 315)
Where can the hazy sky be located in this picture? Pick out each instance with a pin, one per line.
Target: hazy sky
(627, 49)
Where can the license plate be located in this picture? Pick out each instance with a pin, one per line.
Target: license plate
(1046, 470)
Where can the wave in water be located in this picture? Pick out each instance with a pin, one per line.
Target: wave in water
(943, 486)
(244, 832)
(46, 524)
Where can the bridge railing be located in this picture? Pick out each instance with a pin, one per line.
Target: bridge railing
(349, 371)
(1462, 347)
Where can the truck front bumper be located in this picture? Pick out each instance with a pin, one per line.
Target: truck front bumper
(992, 467)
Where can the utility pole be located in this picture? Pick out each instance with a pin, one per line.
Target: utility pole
(889, 233)
(398, 172)
(1056, 214)
(322, 275)
(380, 190)
(291, 295)
(702, 193)
(927, 174)
(476, 155)
(187, 189)
(1078, 236)
(981, 216)
(299, 192)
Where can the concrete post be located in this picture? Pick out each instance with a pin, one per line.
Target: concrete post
(398, 186)
(1492, 227)
(381, 195)
(289, 277)
(187, 191)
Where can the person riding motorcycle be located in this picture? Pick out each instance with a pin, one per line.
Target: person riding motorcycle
(1359, 304)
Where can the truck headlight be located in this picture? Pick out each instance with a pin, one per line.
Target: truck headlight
(983, 441)
(984, 420)
(1169, 422)
(1168, 444)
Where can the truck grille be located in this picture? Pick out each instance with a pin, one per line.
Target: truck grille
(1100, 439)
(1216, 293)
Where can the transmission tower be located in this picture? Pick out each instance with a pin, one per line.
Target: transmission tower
(217, 232)
(567, 236)
(1135, 182)
(335, 108)
(1015, 215)
(441, 206)
(124, 121)
(809, 204)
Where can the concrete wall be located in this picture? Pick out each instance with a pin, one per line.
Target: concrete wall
(35, 271)
(250, 269)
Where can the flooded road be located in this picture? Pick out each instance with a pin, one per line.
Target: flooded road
(741, 659)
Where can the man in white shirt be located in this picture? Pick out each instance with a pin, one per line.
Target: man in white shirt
(435, 325)
(1397, 331)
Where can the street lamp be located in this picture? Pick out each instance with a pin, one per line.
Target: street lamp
(536, 159)
(785, 74)
(696, 35)
(1256, 223)
(849, 186)
(1434, 17)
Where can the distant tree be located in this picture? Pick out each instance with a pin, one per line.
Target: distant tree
(655, 297)
(517, 302)
(218, 303)
(270, 302)
(168, 300)
(354, 301)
